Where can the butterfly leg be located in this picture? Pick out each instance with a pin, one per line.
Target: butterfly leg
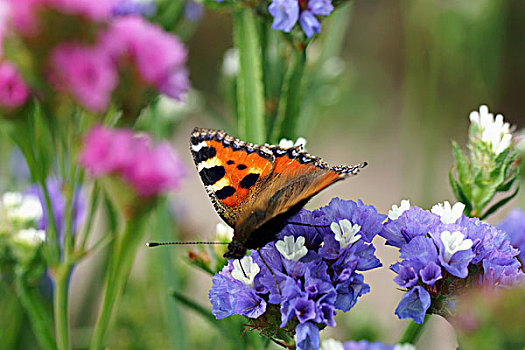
(271, 271)
(242, 268)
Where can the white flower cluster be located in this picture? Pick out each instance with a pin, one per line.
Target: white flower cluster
(19, 214)
(491, 130)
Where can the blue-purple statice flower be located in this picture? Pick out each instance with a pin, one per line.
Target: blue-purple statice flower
(443, 251)
(58, 206)
(332, 344)
(286, 13)
(514, 225)
(133, 7)
(193, 11)
(316, 269)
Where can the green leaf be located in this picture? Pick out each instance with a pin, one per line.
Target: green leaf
(224, 326)
(250, 92)
(500, 203)
(458, 192)
(462, 165)
(504, 187)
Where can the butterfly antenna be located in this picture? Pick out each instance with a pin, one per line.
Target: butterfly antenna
(156, 244)
(271, 271)
(308, 225)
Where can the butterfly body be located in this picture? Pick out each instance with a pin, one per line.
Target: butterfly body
(256, 188)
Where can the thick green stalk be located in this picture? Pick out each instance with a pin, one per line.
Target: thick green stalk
(413, 331)
(121, 260)
(60, 307)
(38, 316)
(250, 91)
(288, 113)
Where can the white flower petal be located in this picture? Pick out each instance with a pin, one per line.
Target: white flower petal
(448, 214)
(251, 269)
(291, 248)
(345, 233)
(396, 211)
(493, 131)
(453, 243)
(331, 344)
(30, 236)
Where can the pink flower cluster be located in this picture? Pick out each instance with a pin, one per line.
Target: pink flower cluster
(149, 170)
(90, 72)
(24, 13)
(13, 90)
(158, 56)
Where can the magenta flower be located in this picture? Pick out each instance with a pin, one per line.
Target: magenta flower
(147, 169)
(24, 13)
(158, 57)
(87, 73)
(13, 90)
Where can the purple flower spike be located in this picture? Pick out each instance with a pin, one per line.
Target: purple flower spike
(514, 226)
(313, 286)
(304, 310)
(438, 251)
(407, 276)
(285, 14)
(430, 274)
(414, 304)
(413, 222)
(309, 23)
(307, 336)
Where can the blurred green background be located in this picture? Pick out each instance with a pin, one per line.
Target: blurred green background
(402, 80)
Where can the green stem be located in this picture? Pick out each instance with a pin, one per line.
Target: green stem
(121, 260)
(250, 91)
(413, 331)
(93, 201)
(288, 113)
(38, 316)
(60, 307)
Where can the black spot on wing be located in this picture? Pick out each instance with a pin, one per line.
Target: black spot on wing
(241, 166)
(249, 180)
(225, 192)
(211, 175)
(204, 154)
(230, 162)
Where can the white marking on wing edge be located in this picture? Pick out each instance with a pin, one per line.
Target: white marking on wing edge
(220, 184)
(210, 163)
(197, 147)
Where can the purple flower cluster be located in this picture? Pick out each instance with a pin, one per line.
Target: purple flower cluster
(514, 225)
(58, 206)
(286, 13)
(148, 170)
(133, 7)
(442, 252)
(316, 269)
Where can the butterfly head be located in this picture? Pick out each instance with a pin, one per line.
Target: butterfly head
(236, 250)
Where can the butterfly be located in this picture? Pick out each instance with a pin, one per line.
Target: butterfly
(255, 189)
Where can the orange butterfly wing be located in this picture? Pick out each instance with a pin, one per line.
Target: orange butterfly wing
(255, 189)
